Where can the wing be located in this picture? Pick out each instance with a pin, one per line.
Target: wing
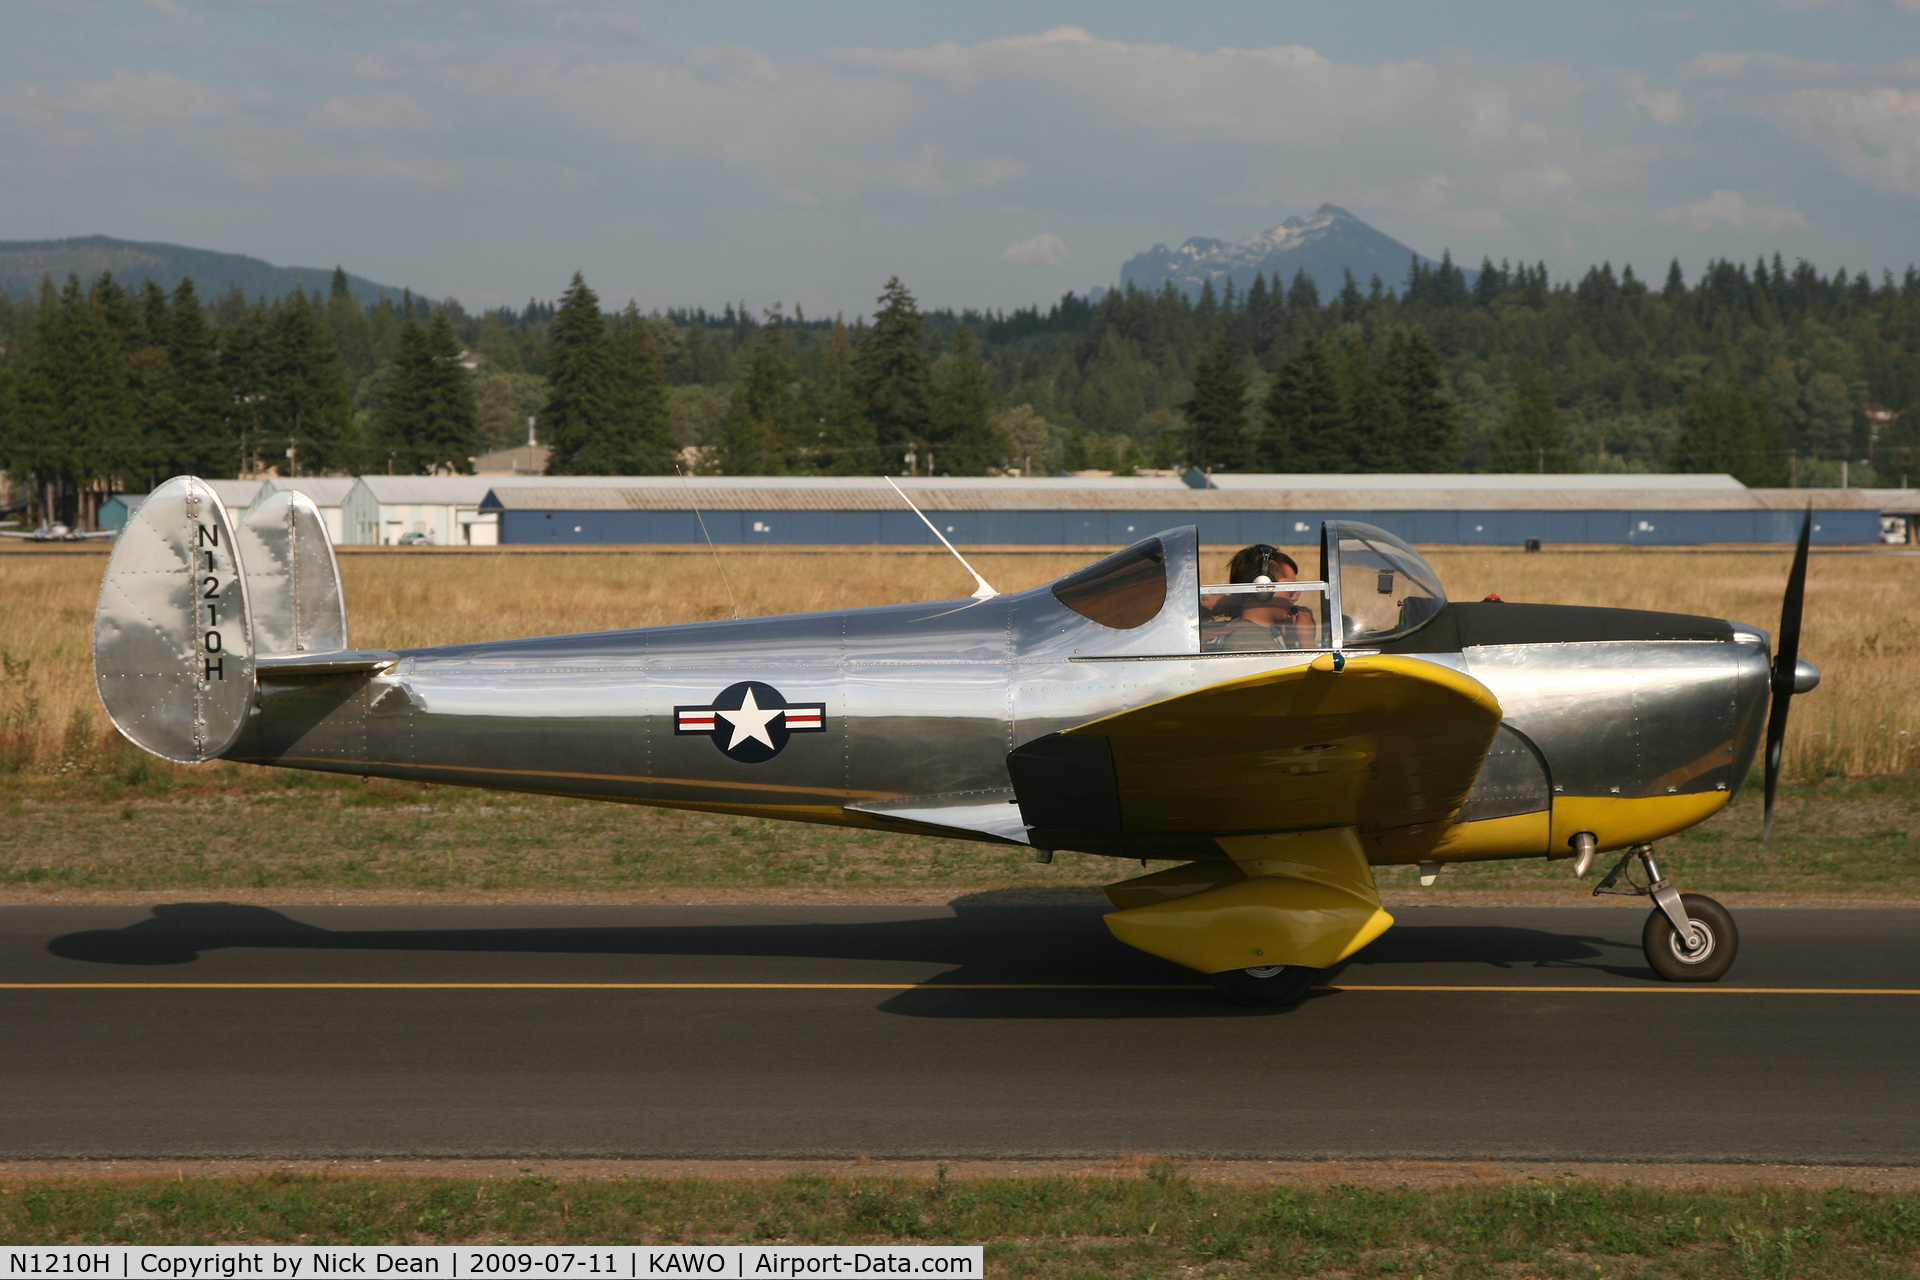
(1283, 786)
(1387, 745)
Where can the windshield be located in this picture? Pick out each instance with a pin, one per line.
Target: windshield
(1123, 591)
(1385, 588)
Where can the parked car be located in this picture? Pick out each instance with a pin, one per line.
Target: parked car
(415, 539)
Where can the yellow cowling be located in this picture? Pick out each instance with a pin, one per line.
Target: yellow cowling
(1298, 898)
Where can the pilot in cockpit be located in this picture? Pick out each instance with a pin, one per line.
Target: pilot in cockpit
(1258, 620)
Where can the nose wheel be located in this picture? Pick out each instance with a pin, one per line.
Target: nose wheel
(1688, 936)
(1267, 986)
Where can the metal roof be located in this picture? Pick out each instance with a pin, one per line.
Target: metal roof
(326, 491)
(235, 493)
(1139, 484)
(426, 490)
(1358, 494)
(1518, 482)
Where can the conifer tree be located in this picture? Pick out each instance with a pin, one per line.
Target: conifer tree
(306, 407)
(580, 405)
(1303, 306)
(239, 363)
(1531, 436)
(844, 437)
(966, 438)
(896, 381)
(1428, 418)
(404, 398)
(643, 443)
(1217, 412)
(1728, 430)
(1305, 425)
(763, 433)
(75, 396)
(1263, 310)
(446, 432)
(192, 436)
(352, 334)
(1373, 419)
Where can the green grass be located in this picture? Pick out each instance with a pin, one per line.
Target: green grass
(1156, 1225)
(126, 823)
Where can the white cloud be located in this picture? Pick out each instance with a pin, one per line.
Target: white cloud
(1663, 106)
(1045, 249)
(1730, 209)
(1873, 135)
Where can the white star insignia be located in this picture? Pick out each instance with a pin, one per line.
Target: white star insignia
(750, 721)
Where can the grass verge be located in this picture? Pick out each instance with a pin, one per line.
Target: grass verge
(228, 828)
(1160, 1224)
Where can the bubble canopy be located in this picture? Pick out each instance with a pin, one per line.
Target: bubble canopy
(1386, 589)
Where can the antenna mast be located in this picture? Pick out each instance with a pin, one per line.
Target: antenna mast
(711, 549)
(981, 592)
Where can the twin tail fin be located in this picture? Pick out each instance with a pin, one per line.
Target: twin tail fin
(193, 607)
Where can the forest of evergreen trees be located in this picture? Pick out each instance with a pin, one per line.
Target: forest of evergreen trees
(1766, 372)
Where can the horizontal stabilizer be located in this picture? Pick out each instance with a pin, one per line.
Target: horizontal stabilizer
(340, 662)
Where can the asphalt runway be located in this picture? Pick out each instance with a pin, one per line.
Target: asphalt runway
(978, 1030)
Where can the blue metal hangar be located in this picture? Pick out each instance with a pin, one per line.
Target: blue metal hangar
(1499, 510)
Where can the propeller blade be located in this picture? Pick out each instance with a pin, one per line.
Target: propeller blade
(1786, 656)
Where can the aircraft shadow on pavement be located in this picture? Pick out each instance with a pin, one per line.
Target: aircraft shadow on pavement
(982, 942)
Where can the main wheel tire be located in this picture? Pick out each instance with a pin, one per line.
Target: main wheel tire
(1272, 986)
(1718, 942)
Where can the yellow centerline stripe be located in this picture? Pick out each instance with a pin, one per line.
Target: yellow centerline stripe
(607, 985)
(1676, 988)
(1670, 988)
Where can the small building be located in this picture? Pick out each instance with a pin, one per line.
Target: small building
(237, 496)
(117, 508)
(1641, 510)
(328, 493)
(1899, 515)
(521, 460)
(380, 510)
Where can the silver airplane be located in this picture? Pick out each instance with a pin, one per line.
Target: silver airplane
(54, 531)
(1111, 712)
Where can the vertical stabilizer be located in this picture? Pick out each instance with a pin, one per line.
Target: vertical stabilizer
(293, 580)
(172, 644)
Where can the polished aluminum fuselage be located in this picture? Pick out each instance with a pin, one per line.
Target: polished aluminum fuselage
(924, 702)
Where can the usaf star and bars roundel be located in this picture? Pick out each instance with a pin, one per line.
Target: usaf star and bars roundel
(750, 721)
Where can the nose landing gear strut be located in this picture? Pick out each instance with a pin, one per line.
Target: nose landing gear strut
(1688, 936)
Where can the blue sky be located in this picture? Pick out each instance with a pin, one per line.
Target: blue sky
(990, 154)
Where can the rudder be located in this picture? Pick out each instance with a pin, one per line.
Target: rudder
(293, 580)
(172, 632)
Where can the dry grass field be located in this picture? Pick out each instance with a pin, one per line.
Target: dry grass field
(1864, 721)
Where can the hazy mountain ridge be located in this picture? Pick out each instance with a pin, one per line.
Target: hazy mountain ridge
(24, 263)
(1325, 246)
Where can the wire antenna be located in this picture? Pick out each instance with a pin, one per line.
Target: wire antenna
(981, 592)
(711, 549)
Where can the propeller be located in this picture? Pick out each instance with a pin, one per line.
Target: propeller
(1786, 661)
